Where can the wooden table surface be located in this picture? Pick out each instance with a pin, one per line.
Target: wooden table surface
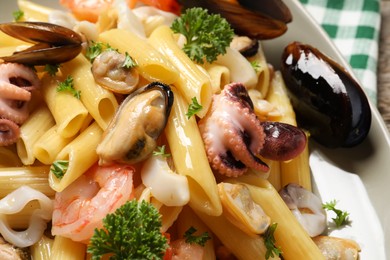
(384, 64)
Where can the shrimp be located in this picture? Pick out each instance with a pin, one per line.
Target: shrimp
(182, 250)
(80, 208)
(87, 9)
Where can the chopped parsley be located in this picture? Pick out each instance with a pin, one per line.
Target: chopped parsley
(269, 242)
(161, 151)
(193, 108)
(52, 69)
(341, 218)
(95, 49)
(18, 15)
(190, 238)
(67, 85)
(59, 168)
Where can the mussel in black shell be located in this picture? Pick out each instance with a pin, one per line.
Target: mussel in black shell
(327, 100)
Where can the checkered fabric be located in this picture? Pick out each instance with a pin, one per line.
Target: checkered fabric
(354, 26)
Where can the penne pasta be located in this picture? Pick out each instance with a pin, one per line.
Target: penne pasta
(192, 81)
(288, 229)
(151, 64)
(190, 158)
(296, 170)
(66, 249)
(42, 249)
(35, 177)
(241, 244)
(49, 145)
(34, 11)
(30, 132)
(80, 154)
(68, 111)
(219, 76)
(99, 102)
(262, 70)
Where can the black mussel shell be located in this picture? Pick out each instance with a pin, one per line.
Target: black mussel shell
(246, 18)
(328, 102)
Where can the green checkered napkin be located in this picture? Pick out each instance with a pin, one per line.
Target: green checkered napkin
(354, 26)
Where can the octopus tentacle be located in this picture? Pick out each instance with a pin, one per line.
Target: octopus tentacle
(16, 83)
(9, 132)
(232, 133)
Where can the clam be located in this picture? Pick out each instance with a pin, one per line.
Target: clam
(140, 119)
(327, 100)
(240, 209)
(255, 19)
(53, 44)
(109, 72)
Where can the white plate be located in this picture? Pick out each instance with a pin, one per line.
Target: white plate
(357, 177)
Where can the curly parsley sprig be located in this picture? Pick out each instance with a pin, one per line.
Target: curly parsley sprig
(193, 108)
(269, 242)
(190, 238)
(67, 85)
(207, 35)
(342, 217)
(131, 232)
(59, 168)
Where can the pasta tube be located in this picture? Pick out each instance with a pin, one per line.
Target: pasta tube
(192, 81)
(49, 145)
(68, 112)
(34, 11)
(241, 244)
(151, 64)
(99, 102)
(31, 130)
(11, 178)
(67, 249)
(288, 229)
(42, 249)
(296, 170)
(80, 154)
(190, 159)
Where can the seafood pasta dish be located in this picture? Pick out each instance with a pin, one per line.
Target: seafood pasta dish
(159, 130)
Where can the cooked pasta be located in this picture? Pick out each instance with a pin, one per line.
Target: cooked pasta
(30, 132)
(64, 248)
(69, 122)
(99, 102)
(190, 159)
(192, 81)
(80, 153)
(42, 249)
(151, 64)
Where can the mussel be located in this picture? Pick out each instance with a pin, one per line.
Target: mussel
(132, 134)
(53, 44)
(328, 102)
(255, 19)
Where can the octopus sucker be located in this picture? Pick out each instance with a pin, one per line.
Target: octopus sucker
(17, 81)
(232, 133)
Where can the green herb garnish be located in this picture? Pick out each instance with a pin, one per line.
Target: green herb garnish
(59, 168)
(341, 218)
(131, 232)
(18, 15)
(52, 69)
(67, 85)
(129, 62)
(95, 49)
(190, 238)
(269, 242)
(193, 108)
(161, 151)
(255, 65)
(208, 35)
